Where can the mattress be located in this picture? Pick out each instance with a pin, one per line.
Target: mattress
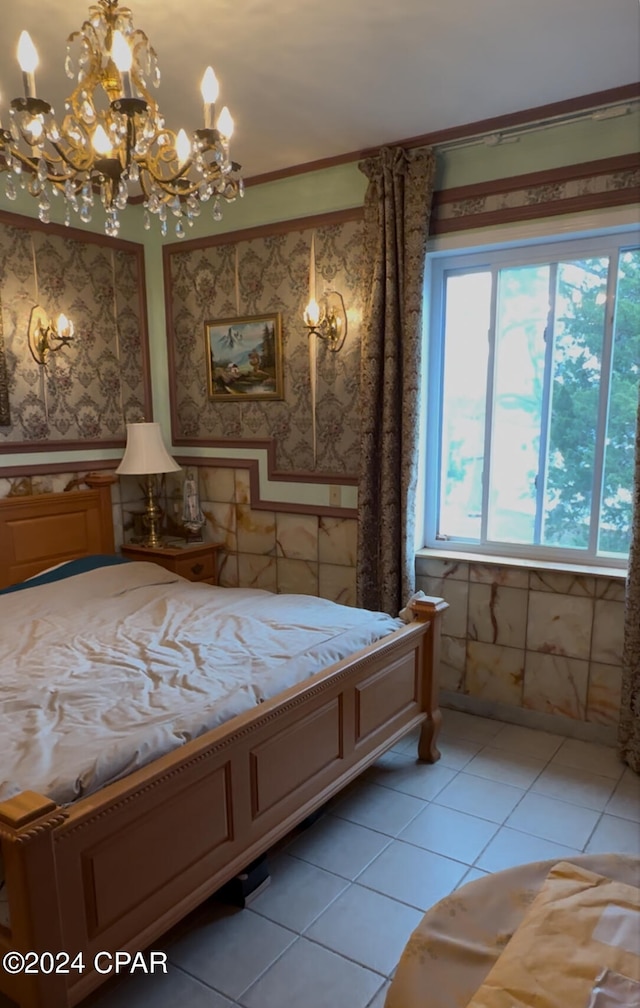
(106, 670)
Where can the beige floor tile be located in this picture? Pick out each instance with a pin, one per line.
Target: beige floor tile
(580, 787)
(509, 847)
(210, 951)
(625, 800)
(478, 796)
(453, 834)
(379, 808)
(298, 892)
(367, 927)
(621, 836)
(311, 976)
(412, 875)
(158, 991)
(599, 759)
(456, 754)
(379, 999)
(554, 820)
(518, 770)
(338, 846)
(527, 741)
(403, 773)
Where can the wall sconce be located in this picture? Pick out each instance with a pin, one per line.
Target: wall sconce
(46, 336)
(328, 320)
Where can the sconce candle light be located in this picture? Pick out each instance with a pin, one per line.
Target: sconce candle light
(328, 319)
(46, 336)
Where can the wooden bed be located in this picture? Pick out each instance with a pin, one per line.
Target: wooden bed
(115, 870)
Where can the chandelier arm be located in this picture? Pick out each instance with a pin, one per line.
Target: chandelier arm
(178, 184)
(64, 159)
(31, 165)
(167, 185)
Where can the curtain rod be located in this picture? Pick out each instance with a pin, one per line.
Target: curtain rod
(494, 138)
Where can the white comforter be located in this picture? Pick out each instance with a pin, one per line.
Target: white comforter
(104, 671)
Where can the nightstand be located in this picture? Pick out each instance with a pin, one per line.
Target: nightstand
(194, 561)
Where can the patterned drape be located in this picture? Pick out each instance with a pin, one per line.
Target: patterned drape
(397, 211)
(629, 729)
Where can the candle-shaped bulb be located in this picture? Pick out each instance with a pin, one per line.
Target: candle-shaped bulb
(27, 53)
(312, 314)
(64, 327)
(28, 60)
(101, 142)
(209, 89)
(225, 124)
(183, 147)
(121, 52)
(123, 58)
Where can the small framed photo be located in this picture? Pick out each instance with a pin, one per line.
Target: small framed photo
(244, 358)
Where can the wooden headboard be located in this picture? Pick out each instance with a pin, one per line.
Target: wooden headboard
(42, 530)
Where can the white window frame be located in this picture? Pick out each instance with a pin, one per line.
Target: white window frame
(576, 234)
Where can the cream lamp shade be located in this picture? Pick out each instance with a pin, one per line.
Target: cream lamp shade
(146, 455)
(145, 452)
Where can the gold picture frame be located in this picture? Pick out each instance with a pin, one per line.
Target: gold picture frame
(244, 358)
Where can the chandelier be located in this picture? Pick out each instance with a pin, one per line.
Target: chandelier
(112, 143)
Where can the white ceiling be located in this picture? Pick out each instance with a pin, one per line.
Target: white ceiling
(307, 80)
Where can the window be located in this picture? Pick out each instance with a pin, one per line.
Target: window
(534, 365)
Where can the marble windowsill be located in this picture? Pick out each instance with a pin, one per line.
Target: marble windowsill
(522, 562)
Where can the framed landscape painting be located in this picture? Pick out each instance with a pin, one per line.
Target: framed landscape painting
(244, 358)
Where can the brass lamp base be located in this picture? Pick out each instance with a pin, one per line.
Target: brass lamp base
(152, 514)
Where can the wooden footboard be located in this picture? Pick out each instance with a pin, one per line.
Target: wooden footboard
(115, 870)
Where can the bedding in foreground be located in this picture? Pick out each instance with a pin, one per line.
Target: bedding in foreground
(107, 670)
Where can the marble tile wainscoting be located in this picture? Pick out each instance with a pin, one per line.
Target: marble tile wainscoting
(300, 553)
(303, 554)
(541, 648)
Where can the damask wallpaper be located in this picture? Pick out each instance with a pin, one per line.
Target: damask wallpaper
(90, 389)
(265, 275)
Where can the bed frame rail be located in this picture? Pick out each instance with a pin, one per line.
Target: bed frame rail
(115, 870)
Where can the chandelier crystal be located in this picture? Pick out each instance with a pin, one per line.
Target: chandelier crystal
(112, 142)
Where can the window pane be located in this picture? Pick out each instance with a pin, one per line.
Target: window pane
(467, 308)
(521, 319)
(577, 358)
(615, 511)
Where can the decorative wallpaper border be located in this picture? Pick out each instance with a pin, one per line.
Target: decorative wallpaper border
(258, 499)
(592, 185)
(44, 468)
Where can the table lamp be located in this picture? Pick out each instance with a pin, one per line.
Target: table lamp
(146, 455)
